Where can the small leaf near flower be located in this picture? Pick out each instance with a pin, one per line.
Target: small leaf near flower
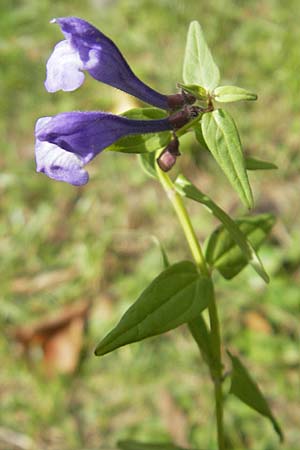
(199, 92)
(199, 67)
(226, 94)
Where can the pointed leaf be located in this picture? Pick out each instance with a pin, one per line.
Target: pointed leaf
(222, 138)
(234, 234)
(142, 143)
(199, 67)
(257, 164)
(164, 256)
(175, 297)
(222, 250)
(246, 390)
(198, 91)
(227, 94)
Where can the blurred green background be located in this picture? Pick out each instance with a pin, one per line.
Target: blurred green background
(60, 244)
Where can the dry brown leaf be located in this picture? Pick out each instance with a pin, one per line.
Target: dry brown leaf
(46, 280)
(60, 337)
(257, 322)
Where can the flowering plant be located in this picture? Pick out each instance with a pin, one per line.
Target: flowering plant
(183, 291)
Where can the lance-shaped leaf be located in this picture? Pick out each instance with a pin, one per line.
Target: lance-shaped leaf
(257, 164)
(185, 187)
(175, 297)
(222, 138)
(246, 390)
(199, 67)
(226, 94)
(222, 250)
(142, 143)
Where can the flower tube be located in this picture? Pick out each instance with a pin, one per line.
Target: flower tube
(66, 142)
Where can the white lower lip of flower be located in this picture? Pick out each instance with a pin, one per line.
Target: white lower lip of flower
(58, 163)
(64, 68)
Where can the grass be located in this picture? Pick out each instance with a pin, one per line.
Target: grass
(100, 234)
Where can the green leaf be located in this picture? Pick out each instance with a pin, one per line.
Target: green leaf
(246, 390)
(222, 250)
(142, 143)
(199, 136)
(175, 297)
(257, 164)
(234, 234)
(165, 259)
(199, 92)
(147, 162)
(199, 67)
(137, 445)
(200, 333)
(226, 94)
(222, 138)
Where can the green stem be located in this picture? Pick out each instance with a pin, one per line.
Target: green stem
(216, 370)
(184, 220)
(216, 364)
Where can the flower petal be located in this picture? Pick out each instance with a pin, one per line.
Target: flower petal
(101, 58)
(64, 69)
(68, 141)
(58, 163)
(88, 133)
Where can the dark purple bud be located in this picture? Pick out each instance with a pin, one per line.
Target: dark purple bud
(176, 101)
(87, 49)
(180, 118)
(68, 141)
(169, 156)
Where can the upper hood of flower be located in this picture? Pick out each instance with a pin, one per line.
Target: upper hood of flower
(87, 49)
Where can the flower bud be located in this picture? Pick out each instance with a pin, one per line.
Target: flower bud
(168, 158)
(176, 101)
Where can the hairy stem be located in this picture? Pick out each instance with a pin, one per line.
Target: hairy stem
(189, 232)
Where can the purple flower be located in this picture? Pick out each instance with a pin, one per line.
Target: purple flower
(68, 141)
(87, 49)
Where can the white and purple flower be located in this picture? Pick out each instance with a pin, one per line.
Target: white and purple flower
(87, 49)
(66, 142)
